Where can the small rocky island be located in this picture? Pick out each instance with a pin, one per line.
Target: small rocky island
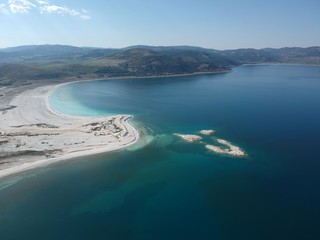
(216, 145)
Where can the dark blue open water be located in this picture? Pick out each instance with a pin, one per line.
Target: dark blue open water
(170, 189)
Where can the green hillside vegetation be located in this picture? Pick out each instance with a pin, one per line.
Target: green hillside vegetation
(60, 63)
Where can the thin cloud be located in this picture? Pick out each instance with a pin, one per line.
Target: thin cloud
(58, 10)
(85, 14)
(85, 17)
(42, 2)
(3, 9)
(44, 6)
(20, 6)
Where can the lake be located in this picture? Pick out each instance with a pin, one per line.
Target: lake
(166, 188)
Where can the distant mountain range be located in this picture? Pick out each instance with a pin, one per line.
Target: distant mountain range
(53, 62)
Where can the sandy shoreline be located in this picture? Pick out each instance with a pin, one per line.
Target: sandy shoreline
(32, 134)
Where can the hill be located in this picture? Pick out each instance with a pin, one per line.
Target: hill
(60, 62)
(309, 55)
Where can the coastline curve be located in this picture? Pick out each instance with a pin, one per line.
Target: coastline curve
(33, 134)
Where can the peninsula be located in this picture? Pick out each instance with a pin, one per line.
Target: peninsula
(32, 134)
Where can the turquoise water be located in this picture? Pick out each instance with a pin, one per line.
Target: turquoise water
(170, 189)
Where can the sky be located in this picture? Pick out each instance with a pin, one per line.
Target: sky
(217, 24)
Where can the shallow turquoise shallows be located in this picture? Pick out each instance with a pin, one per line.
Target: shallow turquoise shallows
(165, 188)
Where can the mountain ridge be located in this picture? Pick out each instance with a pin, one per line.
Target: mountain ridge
(52, 62)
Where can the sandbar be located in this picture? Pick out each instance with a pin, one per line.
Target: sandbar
(32, 134)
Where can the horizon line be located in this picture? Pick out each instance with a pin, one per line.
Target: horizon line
(155, 46)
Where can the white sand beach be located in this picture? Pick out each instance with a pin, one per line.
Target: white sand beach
(32, 134)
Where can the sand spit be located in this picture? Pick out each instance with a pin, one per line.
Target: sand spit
(32, 134)
(188, 137)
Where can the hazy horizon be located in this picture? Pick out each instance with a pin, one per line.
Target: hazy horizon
(117, 24)
(142, 45)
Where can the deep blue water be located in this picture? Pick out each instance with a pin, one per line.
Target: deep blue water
(169, 189)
